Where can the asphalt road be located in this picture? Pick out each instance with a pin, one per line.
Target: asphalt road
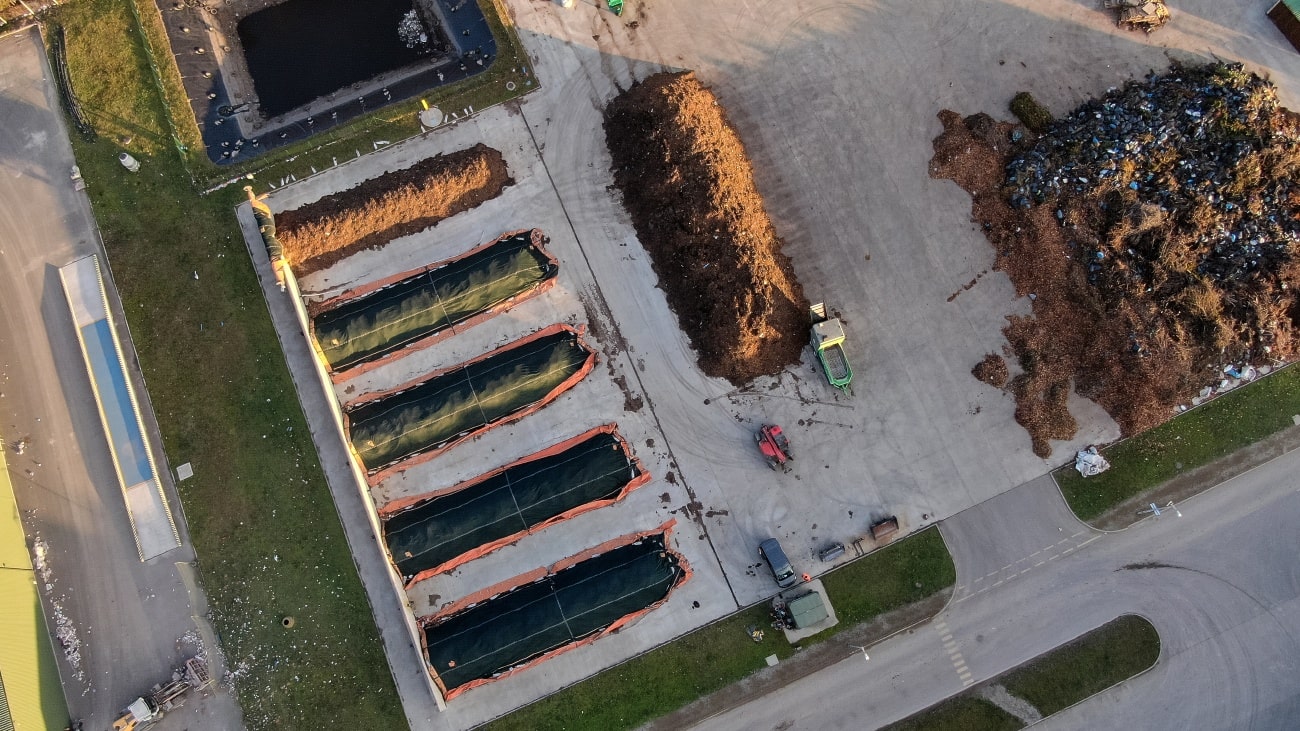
(129, 623)
(1221, 584)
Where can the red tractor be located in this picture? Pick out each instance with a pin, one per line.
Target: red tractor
(774, 446)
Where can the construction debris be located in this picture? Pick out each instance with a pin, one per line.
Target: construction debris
(1153, 229)
(1144, 14)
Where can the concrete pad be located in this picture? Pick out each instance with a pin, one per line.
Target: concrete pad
(836, 105)
(154, 530)
(82, 286)
(793, 636)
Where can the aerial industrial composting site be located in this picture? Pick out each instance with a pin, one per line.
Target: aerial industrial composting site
(650, 364)
(537, 344)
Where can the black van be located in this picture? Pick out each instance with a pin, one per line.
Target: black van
(771, 552)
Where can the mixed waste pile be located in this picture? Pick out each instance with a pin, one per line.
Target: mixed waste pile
(1144, 14)
(1182, 179)
(1197, 144)
(1155, 230)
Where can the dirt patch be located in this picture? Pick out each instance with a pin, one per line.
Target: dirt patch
(689, 188)
(632, 402)
(1152, 228)
(992, 370)
(395, 204)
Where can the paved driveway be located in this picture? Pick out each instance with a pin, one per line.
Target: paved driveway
(134, 621)
(1220, 585)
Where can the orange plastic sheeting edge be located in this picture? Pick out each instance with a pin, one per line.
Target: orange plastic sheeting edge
(399, 505)
(316, 308)
(666, 529)
(528, 578)
(437, 337)
(548, 330)
(361, 290)
(378, 476)
(641, 479)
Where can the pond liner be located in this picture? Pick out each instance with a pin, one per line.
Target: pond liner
(375, 323)
(436, 532)
(522, 622)
(414, 422)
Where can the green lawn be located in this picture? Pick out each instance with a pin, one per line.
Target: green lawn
(960, 713)
(904, 572)
(268, 537)
(1109, 654)
(1202, 435)
(715, 656)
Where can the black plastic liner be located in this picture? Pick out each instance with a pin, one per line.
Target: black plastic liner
(544, 616)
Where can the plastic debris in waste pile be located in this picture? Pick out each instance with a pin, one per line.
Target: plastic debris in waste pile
(1156, 227)
(1182, 179)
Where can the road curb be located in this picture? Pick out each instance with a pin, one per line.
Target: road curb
(1075, 515)
(1112, 686)
(1275, 441)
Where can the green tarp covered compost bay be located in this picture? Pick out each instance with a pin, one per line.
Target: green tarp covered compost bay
(441, 532)
(364, 328)
(532, 620)
(428, 415)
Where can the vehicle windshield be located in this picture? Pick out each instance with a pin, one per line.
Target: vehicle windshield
(782, 576)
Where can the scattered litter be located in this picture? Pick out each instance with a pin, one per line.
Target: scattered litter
(64, 630)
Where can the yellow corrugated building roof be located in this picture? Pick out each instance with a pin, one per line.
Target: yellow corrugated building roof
(31, 696)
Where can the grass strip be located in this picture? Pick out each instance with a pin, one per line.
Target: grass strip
(712, 657)
(960, 713)
(1114, 652)
(261, 517)
(1054, 681)
(904, 572)
(1234, 420)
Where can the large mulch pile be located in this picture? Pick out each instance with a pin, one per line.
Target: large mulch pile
(1155, 230)
(395, 204)
(689, 187)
